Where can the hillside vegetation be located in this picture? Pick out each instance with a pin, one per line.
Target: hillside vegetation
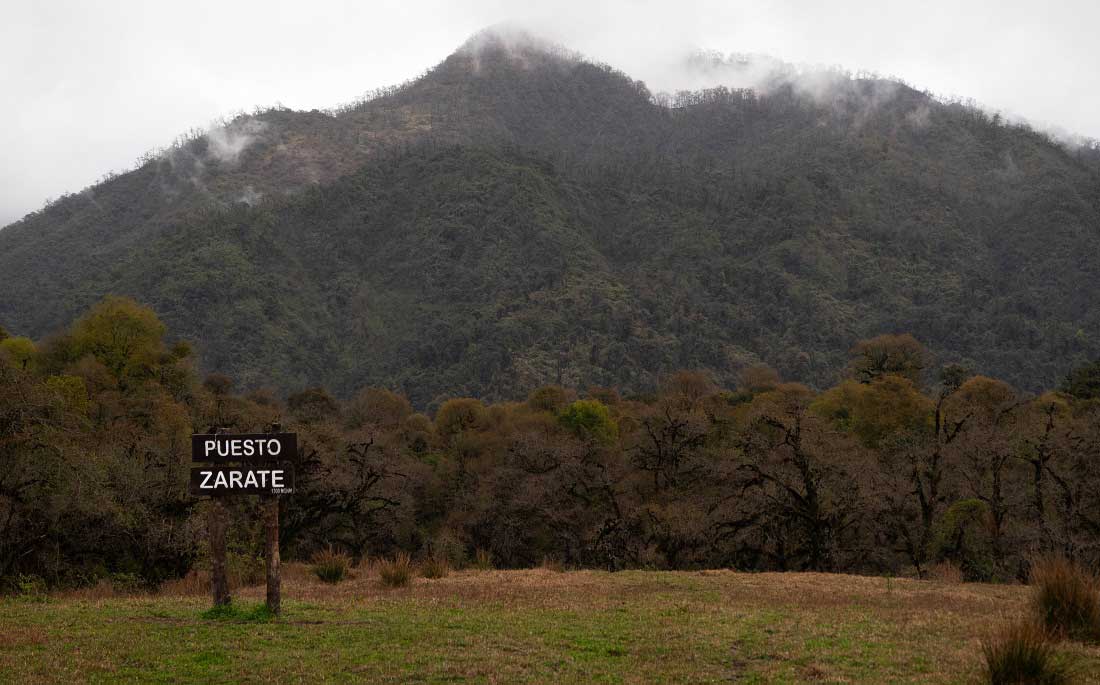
(518, 216)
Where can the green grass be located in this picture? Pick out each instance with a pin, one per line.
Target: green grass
(523, 626)
(235, 612)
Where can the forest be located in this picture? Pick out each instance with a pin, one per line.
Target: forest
(905, 466)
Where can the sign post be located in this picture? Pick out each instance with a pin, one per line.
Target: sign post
(260, 466)
(217, 522)
(271, 548)
(274, 579)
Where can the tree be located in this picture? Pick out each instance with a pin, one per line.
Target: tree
(459, 415)
(1083, 382)
(810, 496)
(125, 336)
(313, 405)
(378, 408)
(898, 355)
(218, 384)
(758, 378)
(21, 351)
(885, 409)
(986, 455)
(589, 420)
(551, 398)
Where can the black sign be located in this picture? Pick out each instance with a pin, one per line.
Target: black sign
(259, 448)
(217, 481)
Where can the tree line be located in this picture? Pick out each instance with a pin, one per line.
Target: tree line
(899, 467)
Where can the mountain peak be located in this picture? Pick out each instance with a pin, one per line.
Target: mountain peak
(514, 44)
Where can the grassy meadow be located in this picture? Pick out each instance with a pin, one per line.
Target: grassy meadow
(524, 626)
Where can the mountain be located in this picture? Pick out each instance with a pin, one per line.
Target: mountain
(520, 216)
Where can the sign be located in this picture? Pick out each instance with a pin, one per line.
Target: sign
(217, 481)
(261, 469)
(247, 448)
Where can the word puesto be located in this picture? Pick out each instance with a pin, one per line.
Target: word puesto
(241, 447)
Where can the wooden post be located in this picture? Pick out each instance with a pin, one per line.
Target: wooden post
(274, 579)
(271, 548)
(217, 522)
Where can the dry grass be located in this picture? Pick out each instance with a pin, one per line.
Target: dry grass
(946, 572)
(1066, 599)
(193, 584)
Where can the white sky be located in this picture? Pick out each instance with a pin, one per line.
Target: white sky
(89, 86)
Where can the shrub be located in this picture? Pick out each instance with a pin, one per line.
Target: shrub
(433, 567)
(554, 565)
(1022, 654)
(1067, 599)
(330, 566)
(30, 587)
(396, 572)
(127, 583)
(483, 559)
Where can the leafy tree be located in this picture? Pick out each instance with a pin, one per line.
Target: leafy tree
(758, 378)
(1083, 382)
(459, 415)
(125, 336)
(589, 420)
(377, 408)
(22, 352)
(313, 405)
(888, 408)
(550, 398)
(897, 355)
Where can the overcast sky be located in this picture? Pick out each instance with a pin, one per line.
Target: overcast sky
(90, 86)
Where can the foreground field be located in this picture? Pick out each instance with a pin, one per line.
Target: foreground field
(527, 626)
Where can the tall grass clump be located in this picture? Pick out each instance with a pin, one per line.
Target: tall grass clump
(396, 572)
(1022, 654)
(434, 567)
(483, 559)
(330, 566)
(1067, 599)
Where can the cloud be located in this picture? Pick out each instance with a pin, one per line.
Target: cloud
(91, 86)
(228, 141)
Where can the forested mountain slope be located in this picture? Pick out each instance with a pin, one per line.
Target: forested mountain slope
(519, 216)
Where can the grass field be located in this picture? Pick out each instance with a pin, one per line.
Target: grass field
(526, 626)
